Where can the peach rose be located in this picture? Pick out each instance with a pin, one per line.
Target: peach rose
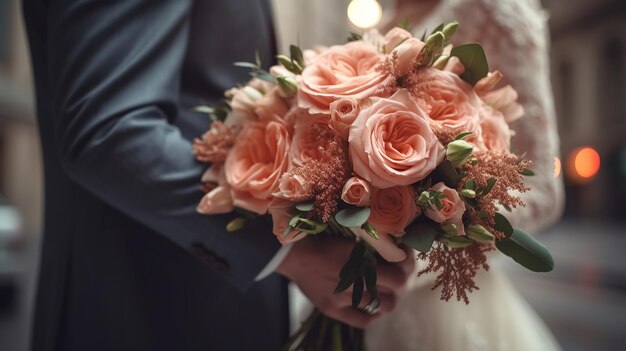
(394, 37)
(392, 144)
(341, 71)
(255, 164)
(384, 245)
(292, 187)
(272, 107)
(282, 211)
(342, 113)
(243, 101)
(407, 53)
(305, 143)
(452, 210)
(393, 209)
(495, 132)
(356, 192)
(451, 103)
(503, 99)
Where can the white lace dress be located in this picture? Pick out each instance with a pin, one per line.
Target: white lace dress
(514, 35)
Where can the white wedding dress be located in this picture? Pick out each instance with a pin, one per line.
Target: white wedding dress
(515, 37)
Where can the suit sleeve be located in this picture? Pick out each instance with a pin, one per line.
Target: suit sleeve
(114, 69)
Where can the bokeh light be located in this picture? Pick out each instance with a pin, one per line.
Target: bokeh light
(364, 13)
(583, 163)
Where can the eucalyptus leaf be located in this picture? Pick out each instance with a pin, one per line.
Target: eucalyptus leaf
(296, 55)
(527, 172)
(421, 235)
(439, 28)
(473, 58)
(470, 184)
(370, 280)
(353, 216)
(305, 206)
(527, 251)
(455, 242)
(503, 225)
(287, 231)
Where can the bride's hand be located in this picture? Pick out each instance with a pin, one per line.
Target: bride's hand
(314, 266)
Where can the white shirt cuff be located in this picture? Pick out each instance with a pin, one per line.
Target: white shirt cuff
(274, 262)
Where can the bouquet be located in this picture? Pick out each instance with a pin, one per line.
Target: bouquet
(386, 139)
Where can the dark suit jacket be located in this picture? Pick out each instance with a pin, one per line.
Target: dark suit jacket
(127, 264)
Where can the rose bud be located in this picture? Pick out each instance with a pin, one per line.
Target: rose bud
(479, 234)
(356, 192)
(458, 152)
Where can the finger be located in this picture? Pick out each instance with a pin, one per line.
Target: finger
(409, 264)
(390, 276)
(387, 302)
(356, 318)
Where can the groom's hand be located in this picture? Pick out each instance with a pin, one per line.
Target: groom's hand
(314, 266)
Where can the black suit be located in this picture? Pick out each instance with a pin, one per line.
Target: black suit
(127, 264)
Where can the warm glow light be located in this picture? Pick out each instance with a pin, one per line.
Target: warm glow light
(557, 167)
(364, 13)
(586, 162)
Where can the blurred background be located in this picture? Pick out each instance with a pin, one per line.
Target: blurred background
(583, 301)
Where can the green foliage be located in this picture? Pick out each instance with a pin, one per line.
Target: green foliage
(421, 235)
(527, 251)
(353, 216)
(473, 57)
(503, 225)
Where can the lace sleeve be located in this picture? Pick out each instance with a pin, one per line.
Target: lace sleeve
(514, 35)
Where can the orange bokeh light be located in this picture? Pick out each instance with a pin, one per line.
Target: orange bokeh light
(557, 167)
(586, 162)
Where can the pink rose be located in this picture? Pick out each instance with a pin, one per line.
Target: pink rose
(342, 113)
(384, 245)
(451, 103)
(452, 210)
(495, 132)
(282, 211)
(348, 70)
(292, 187)
(256, 163)
(394, 37)
(305, 141)
(407, 53)
(392, 144)
(356, 192)
(393, 209)
(243, 101)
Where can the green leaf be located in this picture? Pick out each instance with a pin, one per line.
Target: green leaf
(236, 224)
(475, 61)
(246, 65)
(353, 217)
(370, 280)
(439, 28)
(357, 292)
(420, 235)
(287, 231)
(527, 172)
(350, 270)
(490, 183)
(305, 206)
(354, 37)
(470, 184)
(463, 135)
(455, 242)
(446, 173)
(263, 75)
(502, 224)
(296, 55)
(527, 251)
(404, 24)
